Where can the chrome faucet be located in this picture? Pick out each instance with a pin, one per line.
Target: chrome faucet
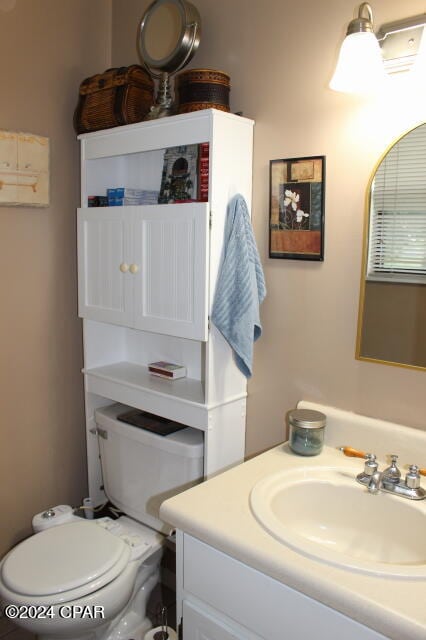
(389, 480)
(375, 482)
(392, 473)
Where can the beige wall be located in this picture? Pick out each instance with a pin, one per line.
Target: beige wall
(280, 56)
(46, 48)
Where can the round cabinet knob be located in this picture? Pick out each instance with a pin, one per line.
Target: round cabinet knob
(124, 267)
(133, 268)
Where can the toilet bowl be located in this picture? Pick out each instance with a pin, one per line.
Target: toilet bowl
(91, 579)
(83, 579)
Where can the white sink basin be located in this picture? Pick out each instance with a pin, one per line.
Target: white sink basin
(325, 514)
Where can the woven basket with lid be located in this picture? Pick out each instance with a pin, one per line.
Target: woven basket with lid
(198, 89)
(116, 97)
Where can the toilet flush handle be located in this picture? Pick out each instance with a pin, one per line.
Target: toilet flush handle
(97, 431)
(50, 513)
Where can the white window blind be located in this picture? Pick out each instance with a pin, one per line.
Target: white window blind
(397, 242)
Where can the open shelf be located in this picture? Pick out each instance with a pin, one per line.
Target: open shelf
(182, 400)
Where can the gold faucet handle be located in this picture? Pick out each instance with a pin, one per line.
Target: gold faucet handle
(353, 453)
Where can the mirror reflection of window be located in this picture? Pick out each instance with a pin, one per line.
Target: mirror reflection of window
(392, 320)
(397, 243)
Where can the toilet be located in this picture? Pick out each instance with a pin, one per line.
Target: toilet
(91, 579)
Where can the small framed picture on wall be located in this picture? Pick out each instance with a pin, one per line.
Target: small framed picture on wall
(296, 208)
(24, 169)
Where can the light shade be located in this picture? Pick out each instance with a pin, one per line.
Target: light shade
(360, 67)
(419, 66)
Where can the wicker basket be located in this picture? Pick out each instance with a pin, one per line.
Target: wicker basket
(202, 89)
(113, 98)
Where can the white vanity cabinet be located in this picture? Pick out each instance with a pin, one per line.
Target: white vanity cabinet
(235, 579)
(147, 276)
(220, 598)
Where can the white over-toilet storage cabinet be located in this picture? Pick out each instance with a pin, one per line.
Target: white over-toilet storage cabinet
(147, 277)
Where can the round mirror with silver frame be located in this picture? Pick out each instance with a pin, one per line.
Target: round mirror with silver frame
(169, 35)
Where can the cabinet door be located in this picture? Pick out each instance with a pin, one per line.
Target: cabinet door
(105, 284)
(171, 252)
(200, 625)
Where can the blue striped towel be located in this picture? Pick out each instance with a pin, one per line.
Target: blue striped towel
(240, 287)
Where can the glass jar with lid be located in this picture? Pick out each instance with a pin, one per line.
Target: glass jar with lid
(306, 431)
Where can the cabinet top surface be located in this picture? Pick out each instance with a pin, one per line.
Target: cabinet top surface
(196, 116)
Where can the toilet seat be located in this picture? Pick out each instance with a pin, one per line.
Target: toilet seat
(64, 563)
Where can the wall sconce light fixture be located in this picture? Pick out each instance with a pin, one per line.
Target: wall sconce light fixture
(366, 58)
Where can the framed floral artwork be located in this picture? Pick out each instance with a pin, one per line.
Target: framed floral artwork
(296, 208)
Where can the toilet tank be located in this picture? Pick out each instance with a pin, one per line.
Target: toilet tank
(141, 469)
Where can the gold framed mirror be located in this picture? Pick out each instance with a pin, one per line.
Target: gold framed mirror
(392, 307)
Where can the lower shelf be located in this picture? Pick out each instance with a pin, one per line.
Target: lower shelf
(182, 400)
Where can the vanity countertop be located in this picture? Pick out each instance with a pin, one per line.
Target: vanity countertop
(218, 513)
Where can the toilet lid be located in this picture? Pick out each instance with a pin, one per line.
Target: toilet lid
(65, 558)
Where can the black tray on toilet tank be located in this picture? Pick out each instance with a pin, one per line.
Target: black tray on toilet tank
(150, 422)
